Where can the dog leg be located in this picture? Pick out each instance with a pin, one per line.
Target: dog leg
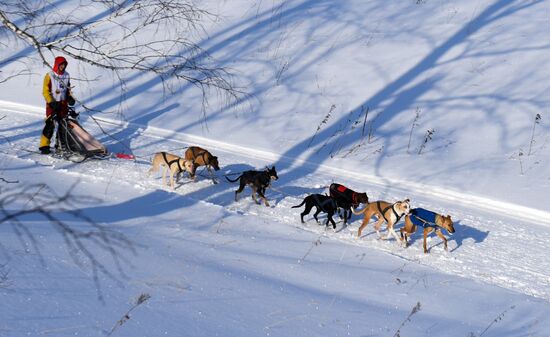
(366, 219)
(427, 230)
(262, 197)
(392, 232)
(254, 197)
(306, 210)
(363, 225)
(329, 218)
(211, 174)
(254, 191)
(257, 192)
(377, 226)
(317, 213)
(164, 171)
(239, 190)
(346, 215)
(403, 237)
(438, 232)
(172, 184)
(261, 192)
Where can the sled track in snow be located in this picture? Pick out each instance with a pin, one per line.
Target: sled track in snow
(408, 188)
(494, 244)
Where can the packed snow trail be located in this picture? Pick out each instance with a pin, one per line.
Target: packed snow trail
(497, 243)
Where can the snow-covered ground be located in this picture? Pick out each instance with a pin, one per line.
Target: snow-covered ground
(339, 91)
(218, 267)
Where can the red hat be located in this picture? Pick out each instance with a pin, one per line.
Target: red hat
(59, 61)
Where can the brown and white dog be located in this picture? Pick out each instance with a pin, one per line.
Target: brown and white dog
(430, 221)
(202, 157)
(383, 211)
(172, 164)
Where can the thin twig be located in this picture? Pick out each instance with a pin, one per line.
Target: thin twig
(141, 299)
(408, 319)
(537, 121)
(324, 121)
(315, 243)
(414, 123)
(497, 319)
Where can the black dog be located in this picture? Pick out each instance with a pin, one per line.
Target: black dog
(323, 203)
(346, 198)
(257, 180)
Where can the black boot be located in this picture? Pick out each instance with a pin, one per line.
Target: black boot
(44, 150)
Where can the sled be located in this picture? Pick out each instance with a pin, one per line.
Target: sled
(75, 144)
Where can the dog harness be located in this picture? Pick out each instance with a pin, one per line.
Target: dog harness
(383, 212)
(201, 153)
(423, 218)
(172, 161)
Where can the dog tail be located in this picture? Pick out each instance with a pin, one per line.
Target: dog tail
(300, 205)
(360, 212)
(232, 181)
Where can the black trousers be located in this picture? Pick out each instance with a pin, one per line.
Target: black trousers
(47, 132)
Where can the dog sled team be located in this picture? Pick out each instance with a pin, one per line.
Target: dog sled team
(340, 198)
(345, 199)
(73, 139)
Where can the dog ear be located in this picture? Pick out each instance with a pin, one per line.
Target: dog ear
(407, 200)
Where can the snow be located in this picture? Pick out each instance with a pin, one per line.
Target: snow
(476, 73)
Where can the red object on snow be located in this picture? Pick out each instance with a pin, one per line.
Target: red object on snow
(125, 156)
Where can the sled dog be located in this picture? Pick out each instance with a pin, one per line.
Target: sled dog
(323, 203)
(430, 221)
(383, 211)
(347, 198)
(202, 157)
(170, 163)
(258, 181)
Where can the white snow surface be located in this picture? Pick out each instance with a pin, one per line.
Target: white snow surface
(475, 71)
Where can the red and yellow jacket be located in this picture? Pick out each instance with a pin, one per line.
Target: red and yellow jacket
(57, 87)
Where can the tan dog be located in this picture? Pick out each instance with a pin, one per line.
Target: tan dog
(428, 220)
(171, 163)
(384, 212)
(202, 157)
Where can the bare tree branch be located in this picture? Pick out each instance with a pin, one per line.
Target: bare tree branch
(154, 37)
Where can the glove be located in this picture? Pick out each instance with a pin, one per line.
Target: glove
(73, 113)
(70, 100)
(55, 106)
